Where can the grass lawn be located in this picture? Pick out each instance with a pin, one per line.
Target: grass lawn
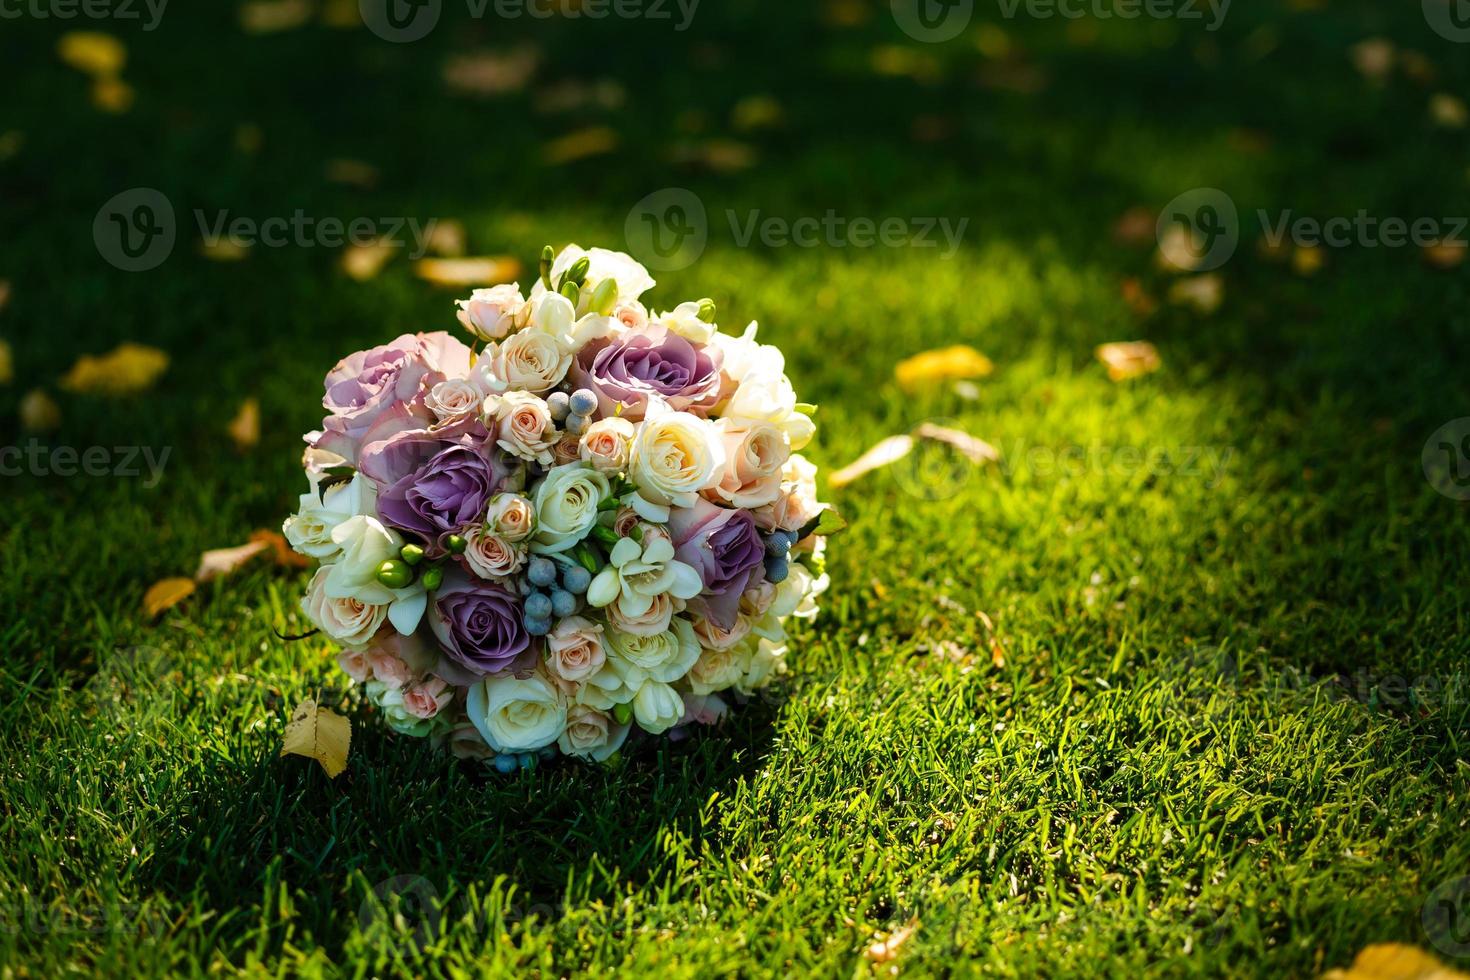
(1230, 728)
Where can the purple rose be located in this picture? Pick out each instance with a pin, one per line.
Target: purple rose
(444, 496)
(365, 385)
(479, 625)
(628, 370)
(725, 549)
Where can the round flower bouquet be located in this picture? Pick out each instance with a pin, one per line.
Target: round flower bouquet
(598, 522)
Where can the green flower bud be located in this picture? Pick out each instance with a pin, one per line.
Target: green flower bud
(622, 712)
(395, 574)
(547, 255)
(433, 578)
(455, 544)
(604, 297)
(571, 291)
(412, 553)
(706, 311)
(578, 272)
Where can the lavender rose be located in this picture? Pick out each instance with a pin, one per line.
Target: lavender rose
(444, 496)
(725, 549)
(479, 625)
(627, 371)
(369, 383)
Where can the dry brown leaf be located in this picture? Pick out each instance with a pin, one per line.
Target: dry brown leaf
(1308, 260)
(1418, 68)
(1139, 299)
(4, 293)
(281, 552)
(1204, 293)
(364, 262)
(484, 73)
(342, 14)
(943, 364)
(488, 270)
(127, 369)
(7, 364)
(887, 948)
(447, 238)
(272, 16)
(219, 562)
(1136, 226)
(846, 13)
(112, 94)
(1448, 111)
(978, 450)
(244, 428)
(1445, 255)
(581, 144)
(885, 453)
(320, 734)
(1129, 359)
(720, 155)
(566, 96)
(1395, 961)
(39, 411)
(351, 173)
(166, 594)
(92, 52)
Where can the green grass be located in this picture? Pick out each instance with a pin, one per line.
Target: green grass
(1198, 756)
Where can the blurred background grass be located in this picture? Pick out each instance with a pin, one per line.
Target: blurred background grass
(1101, 797)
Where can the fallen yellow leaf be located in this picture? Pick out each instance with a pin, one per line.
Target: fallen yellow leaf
(483, 73)
(92, 52)
(352, 173)
(887, 948)
(320, 734)
(1373, 58)
(219, 562)
(341, 14)
(1395, 961)
(1129, 359)
(756, 112)
(364, 262)
(1308, 260)
(1445, 254)
(244, 428)
(127, 369)
(482, 271)
(1448, 111)
(978, 450)
(223, 250)
(1203, 292)
(944, 364)
(885, 453)
(281, 552)
(112, 94)
(166, 594)
(271, 16)
(4, 293)
(7, 364)
(590, 142)
(447, 238)
(39, 411)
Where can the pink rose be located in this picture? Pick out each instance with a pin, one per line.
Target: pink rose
(797, 503)
(491, 314)
(427, 699)
(489, 555)
(511, 516)
(355, 664)
(714, 638)
(523, 425)
(754, 459)
(574, 648)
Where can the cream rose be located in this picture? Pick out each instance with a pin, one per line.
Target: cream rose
(566, 506)
(654, 620)
(716, 670)
(754, 457)
(365, 544)
(517, 714)
(309, 530)
(797, 502)
(592, 734)
(511, 516)
(666, 656)
(764, 663)
(453, 399)
(527, 361)
(674, 456)
(523, 425)
(491, 314)
(574, 648)
(764, 396)
(349, 621)
(710, 635)
(489, 555)
(605, 444)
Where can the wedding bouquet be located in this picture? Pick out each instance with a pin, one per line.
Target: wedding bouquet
(597, 522)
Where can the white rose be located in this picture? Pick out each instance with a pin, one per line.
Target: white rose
(592, 734)
(522, 424)
(566, 502)
(365, 544)
(310, 530)
(674, 456)
(528, 361)
(665, 657)
(491, 314)
(453, 398)
(349, 621)
(768, 397)
(742, 355)
(605, 444)
(684, 320)
(515, 714)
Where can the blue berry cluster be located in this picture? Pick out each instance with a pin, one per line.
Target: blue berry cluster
(548, 599)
